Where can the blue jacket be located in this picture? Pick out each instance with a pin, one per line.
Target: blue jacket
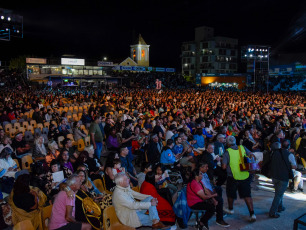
(200, 141)
(207, 134)
(167, 157)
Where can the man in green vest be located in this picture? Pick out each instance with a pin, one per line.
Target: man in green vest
(236, 179)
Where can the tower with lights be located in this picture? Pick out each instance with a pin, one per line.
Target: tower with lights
(140, 52)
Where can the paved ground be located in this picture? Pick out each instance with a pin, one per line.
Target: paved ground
(295, 206)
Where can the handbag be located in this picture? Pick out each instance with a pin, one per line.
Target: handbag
(91, 209)
(290, 172)
(208, 201)
(247, 164)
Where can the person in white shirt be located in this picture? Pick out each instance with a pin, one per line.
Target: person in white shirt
(170, 132)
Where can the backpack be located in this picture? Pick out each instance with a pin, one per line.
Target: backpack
(266, 165)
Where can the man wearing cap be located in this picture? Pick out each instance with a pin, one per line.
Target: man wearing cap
(219, 145)
(237, 179)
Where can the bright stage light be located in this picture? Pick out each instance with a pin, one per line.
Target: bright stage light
(2, 17)
(9, 18)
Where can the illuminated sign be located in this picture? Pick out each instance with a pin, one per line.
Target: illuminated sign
(72, 61)
(104, 63)
(36, 60)
(170, 70)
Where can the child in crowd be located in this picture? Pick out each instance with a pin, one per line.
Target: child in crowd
(117, 167)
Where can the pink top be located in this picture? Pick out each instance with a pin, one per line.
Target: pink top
(58, 214)
(192, 197)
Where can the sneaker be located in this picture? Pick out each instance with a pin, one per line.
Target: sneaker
(276, 215)
(222, 223)
(252, 218)
(228, 211)
(205, 226)
(160, 225)
(281, 209)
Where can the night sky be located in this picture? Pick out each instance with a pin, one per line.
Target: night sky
(94, 29)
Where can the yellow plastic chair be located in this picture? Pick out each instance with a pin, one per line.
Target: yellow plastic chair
(12, 133)
(111, 221)
(30, 128)
(81, 145)
(26, 162)
(70, 136)
(54, 123)
(33, 124)
(45, 216)
(98, 183)
(8, 128)
(24, 225)
(21, 129)
(16, 126)
(25, 125)
(40, 126)
(47, 125)
(87, 141)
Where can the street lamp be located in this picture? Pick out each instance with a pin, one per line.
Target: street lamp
(105, 59)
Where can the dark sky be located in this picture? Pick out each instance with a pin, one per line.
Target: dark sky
(93, 29)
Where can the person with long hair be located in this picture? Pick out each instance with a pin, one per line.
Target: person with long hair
(26, 202)
(164, 208)
(63, 159)
(198, 199)
(109, 176)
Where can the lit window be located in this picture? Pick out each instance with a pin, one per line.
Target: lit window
(143, 53)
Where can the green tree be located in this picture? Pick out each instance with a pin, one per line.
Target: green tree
(18, 64)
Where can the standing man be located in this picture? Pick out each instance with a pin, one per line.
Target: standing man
(96, 136)
(281, 163)
(236, 179)
(63, 210)
(127, 137)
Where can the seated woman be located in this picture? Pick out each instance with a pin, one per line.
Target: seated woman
(63, 159)
(39, 149)
(197, 198)
(145, 168)
(53, 152)
(84, 200)
(163, 179)
(8, 169)
(95, 170)
(109, 176)
(26, 202)
(53, 133)
(164, 208)
(78, 133)
(51, 186)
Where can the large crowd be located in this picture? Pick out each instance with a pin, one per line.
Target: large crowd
(154, 156)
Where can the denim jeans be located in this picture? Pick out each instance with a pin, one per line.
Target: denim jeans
(98, 150)
(280, 188)
(146, 220)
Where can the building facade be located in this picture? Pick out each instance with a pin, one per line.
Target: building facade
(140, 52)
(209, 54)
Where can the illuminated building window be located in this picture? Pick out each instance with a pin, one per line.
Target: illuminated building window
(142, 53)
(134, 55)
